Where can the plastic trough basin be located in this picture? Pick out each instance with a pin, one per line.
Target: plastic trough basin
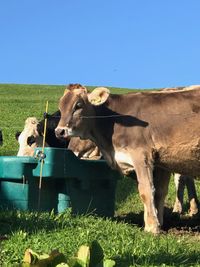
(13, 167)
(84, 185)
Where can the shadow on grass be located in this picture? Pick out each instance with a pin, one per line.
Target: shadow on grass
(159, 259)
(11, 221)
(131, 218)
(173, 222)
(179, 224)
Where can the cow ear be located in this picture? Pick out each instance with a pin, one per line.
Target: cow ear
(77, 88)
(17, 134)
(31, 120)
(99, 96)
(66, 91)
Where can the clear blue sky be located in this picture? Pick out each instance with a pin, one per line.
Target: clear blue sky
(120, 43)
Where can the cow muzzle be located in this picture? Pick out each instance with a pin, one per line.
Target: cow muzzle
(62, 132)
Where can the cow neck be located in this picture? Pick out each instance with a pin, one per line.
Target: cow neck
(102, 131)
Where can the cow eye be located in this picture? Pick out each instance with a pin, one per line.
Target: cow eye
(78, 105)
(31, 140)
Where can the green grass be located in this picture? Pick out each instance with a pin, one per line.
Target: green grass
(122, 238)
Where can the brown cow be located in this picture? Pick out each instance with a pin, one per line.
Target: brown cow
(182, 181)
(84, 149)
(151, 132)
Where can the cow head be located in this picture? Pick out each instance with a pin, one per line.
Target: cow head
(29, 138)
(77, 109)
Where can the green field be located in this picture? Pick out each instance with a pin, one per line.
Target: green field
(122, 238)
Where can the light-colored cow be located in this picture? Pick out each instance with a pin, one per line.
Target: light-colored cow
(30, 129)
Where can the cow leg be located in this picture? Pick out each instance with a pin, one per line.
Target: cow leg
(161, 183)
(192, 195)
(144, 172)
(179, 185)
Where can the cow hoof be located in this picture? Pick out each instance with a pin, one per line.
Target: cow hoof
(177, 208)
(154, 229)
(193, 208)
(193, 212)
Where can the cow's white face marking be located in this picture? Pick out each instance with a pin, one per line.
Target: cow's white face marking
(71, 132)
